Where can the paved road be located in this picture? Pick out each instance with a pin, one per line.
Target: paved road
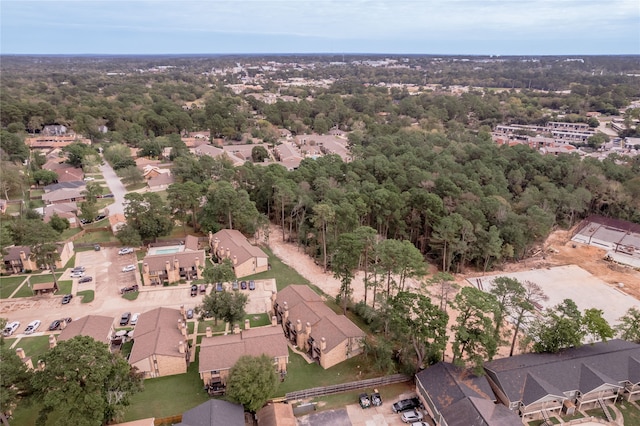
(116, 187)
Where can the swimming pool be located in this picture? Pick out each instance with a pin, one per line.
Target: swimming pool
(167, 250)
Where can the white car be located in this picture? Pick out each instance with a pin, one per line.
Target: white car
(125, 250)
(32, 327)
(411, 416)
(10, 328)
(77, 274)
(89, 179)
(129, 268)
(134, 319)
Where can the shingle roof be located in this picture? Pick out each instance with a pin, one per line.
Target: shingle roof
(157, 333)
(96, 326)
(157, 262)
(474, 411)
(214, 413)
(275, 414)
(13, 253)
(584, 368)
(222, 352)
(238, 245)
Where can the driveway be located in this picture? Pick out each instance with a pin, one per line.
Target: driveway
(116, 187)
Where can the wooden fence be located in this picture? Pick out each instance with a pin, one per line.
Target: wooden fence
(345, 387)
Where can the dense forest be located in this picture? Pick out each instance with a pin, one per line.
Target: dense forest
(424, 167)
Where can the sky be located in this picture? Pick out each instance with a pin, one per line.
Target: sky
(441, 27)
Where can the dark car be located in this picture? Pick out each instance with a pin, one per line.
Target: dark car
(252, 285)
(194, 290)
(85, 280)
(376, 399)
(219, 287)
(66, 299)
(129, 289)
(243, 285)
(190, 314)
(124, 319)
(406, 404)
(99, 217)
(107, 196)
(54, 325)
(96, 247)
(364, 400)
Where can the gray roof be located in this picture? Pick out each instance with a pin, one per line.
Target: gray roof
(214, 412)
(65, 185)
(527, 377)
(474, 411)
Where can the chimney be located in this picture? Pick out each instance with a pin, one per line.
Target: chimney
(235, 260)
(298, 326)
(179, 323)
(197, 263)
(247, 324)
(23, 256)
(63, 324)
(216, 243)
(183, 330)
(208, 332)
(181, 347)
(323, 345)
(220, 252)
(285, 315)
(176, 264)
(236, 329)
(167, 266)
(52, 341)
(182, 311)
(20, 353)
(307, 329)
(274, 321)
(228, 252)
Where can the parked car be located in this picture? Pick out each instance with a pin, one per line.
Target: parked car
(202, 288)
(10, 328)
(376, 399)
(411, 416)
(189, 313)
(129, 268)
(364, 400)
(67, 298)
(252, 285)
(235, 285)
(194, 290)
(32, 327)
(420, 424)
(124, 290)
(243, 285)
(89, 179)
(219, 287)
(134, 319)
(125, 250)
(85, 280)
(85, 221)
(406, 404)
(100, 217)
(54, 325)
(77, 274)
(107, 196)
(124, 319)
(96, 247)
(78, 269)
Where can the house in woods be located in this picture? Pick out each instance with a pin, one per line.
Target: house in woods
(97, 326)
(160, 343)
(215, 152)
(455, 396)
(160, 182)
(218, 354)
(64, 210)
(170, 264)
(246, 258)
(214, 412)
(314, 328)
(117, 222)
(276, 414)
(535, 385)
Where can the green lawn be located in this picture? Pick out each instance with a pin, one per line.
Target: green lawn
(387, 393)
(202, 326)
(44, 278)
(597, 412)
(283, 274)
(168, 396)
(25, 290)
(630, 412)
(71, 262)
(133, 295)
(67, 233)
(96, 237)
(87, 295)
(302, 375)
(35, 347)
(257, 320)
(65, 286)
(9, 284)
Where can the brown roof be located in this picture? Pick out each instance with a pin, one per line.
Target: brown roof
(222, 352)
(44, 286)
(238, 245)
(157, 333)
(191, 243)
(157, 262)
(161, 179)
(276, 415)
(13, 253)
(63, 194)
(96, 326)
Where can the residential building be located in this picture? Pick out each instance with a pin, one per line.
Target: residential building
(215, 152)
(117, 222)
(18, 259)
(276, 414)
(534, 385)
(160, 182)
(160, 343)
(171, 264)
(455, 396)
(99, 327)
(246, 258)
(64, 210)
(214, 413)
(309, 324)
(218, 354)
